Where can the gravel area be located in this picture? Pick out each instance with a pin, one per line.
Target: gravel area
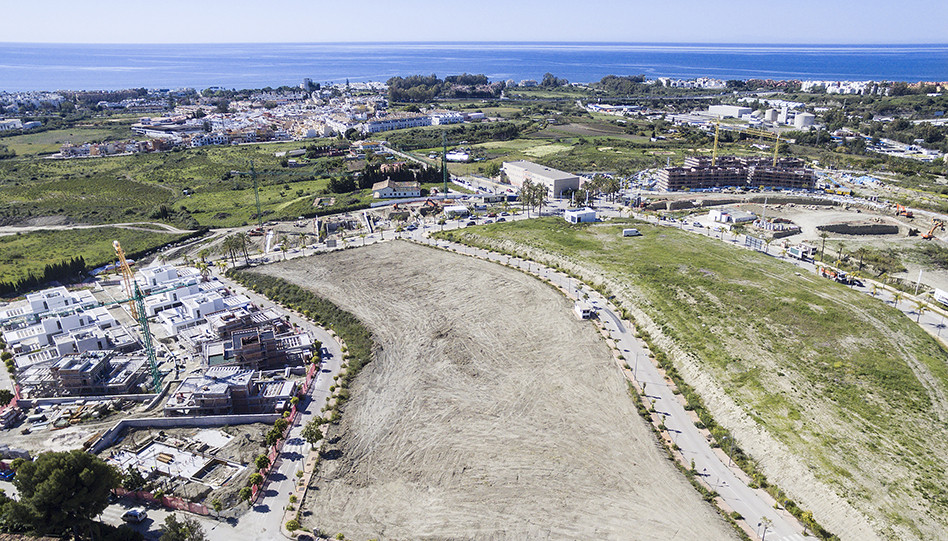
(489, 412)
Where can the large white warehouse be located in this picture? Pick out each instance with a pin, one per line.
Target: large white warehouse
(556, 181)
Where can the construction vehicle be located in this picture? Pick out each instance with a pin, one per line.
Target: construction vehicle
(839, 276)
(803, 252)
(936, 224)
(827, 273)
(902, 211)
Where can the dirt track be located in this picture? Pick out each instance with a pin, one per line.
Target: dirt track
(488, 413)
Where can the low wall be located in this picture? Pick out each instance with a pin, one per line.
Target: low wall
(860, 229)
(33, 402)
(111, 435)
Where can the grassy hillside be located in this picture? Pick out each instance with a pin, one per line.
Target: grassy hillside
(25, 253)
(854, 389)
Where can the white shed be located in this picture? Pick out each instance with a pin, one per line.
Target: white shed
(580, 215)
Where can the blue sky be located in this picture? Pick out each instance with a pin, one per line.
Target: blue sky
(695, 21)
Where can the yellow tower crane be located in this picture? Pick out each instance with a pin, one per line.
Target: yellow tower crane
(748, 131)
(127, 276)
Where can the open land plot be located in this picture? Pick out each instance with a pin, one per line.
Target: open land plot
(489, 412)
(49, 142)
(30, 252)
(840, 397)
(129, 188)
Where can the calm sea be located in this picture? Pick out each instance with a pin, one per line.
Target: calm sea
(76, 67)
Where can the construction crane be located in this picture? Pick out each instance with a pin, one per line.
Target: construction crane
(748, 131)
(127, 276)
(136, 304)
(936, 224)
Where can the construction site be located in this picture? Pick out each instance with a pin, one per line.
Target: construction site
(167, 371)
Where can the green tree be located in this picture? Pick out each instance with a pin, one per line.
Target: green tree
(261, 462)
(273, 436)
(255, 478)
(133, 480)
(311, 432)
(186, 529)
(62, 491)
(245, 494)
(5, 397)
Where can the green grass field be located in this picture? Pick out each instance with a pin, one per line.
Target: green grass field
(25, 253)
(850, 385)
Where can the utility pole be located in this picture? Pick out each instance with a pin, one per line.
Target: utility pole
(256, 195)
(444, 162)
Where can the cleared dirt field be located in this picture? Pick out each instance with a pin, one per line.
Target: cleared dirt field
(489, 412)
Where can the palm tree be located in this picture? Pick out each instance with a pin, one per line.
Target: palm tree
(231, 246)
(203, 254)
(284, 246)
(861, 252)
(920, 308)
(222, 265)
(874, 288)
(205, 270)
(823, 236)
(243, 243)
(897, 298)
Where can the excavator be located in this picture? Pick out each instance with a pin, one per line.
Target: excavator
(902, 211)
(936, 224)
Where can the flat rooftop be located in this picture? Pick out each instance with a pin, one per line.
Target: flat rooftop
(542, 170)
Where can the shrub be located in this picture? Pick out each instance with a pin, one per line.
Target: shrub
(292, 524)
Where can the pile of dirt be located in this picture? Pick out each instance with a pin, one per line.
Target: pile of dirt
(489, 412)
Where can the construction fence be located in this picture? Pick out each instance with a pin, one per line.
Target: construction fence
(171, 502)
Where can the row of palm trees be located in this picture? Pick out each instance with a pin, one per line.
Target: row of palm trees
(897, 297)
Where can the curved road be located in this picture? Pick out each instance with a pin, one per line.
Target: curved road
(755, 505)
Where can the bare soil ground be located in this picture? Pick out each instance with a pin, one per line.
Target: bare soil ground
(489, 412)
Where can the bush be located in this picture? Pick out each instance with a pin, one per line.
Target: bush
(255, 478)
(292, 524)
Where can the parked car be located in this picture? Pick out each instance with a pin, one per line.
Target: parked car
(501, 219)
(135, 515)
(472, 222)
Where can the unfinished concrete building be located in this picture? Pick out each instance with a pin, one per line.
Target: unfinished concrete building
(91, 373)
(698, 174)
(224, 390)
(259, 348)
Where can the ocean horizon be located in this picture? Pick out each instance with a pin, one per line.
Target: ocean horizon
(42, 66)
